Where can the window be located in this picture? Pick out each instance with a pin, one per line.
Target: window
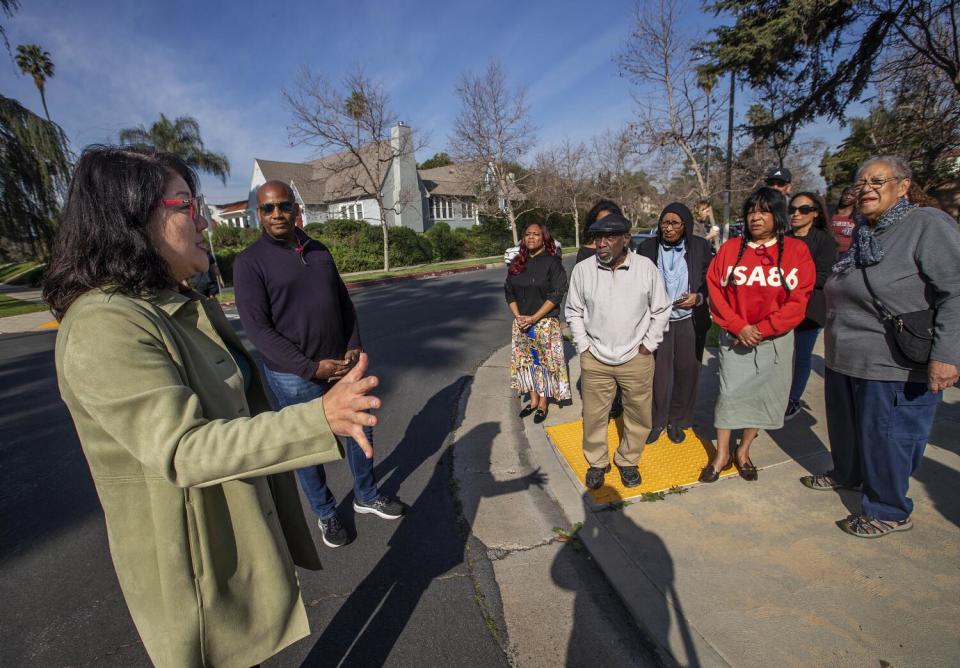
(467, 209)
(351, 211)
(441, 208)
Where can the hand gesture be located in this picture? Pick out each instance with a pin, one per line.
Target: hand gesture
(689, 301)
(345, 405)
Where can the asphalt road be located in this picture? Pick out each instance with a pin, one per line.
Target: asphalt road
(401, 594)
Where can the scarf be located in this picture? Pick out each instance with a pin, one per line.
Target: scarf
(866, 249)
(673, 268)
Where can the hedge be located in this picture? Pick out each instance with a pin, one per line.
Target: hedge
(358, 246)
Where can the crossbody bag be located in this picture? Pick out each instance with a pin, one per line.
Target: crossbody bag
(912, 332)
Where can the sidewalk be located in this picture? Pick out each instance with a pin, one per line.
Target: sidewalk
(758, 574)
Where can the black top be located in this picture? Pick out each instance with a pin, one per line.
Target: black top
(542, 279)
(584, 253)
(294, 305)
(823, 249)
(698, 254)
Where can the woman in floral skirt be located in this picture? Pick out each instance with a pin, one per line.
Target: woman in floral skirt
(536, 284)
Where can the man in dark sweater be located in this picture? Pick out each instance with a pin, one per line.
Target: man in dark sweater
(295, 308)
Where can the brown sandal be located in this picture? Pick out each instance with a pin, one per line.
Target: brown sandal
(746, 470)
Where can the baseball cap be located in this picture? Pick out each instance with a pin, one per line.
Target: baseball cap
(779, 174)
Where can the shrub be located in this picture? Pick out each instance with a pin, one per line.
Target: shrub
(446, 246)
(343, 229)
(234, 237)
(225, 258)
(407, 247)
(315, 230)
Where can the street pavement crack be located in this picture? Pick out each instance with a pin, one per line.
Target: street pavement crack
(500, 553)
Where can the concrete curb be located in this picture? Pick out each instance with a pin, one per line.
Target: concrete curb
(611, 555)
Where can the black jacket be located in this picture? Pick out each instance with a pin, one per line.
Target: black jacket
(699, 252)
(823, 249)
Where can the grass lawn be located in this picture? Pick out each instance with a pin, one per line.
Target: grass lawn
(11, 306)
(713, 335)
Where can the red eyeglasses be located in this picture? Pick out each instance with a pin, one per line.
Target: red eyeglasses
(192, 202)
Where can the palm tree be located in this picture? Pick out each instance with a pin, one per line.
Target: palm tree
(356, 107)
(181, 137)
(33, 60)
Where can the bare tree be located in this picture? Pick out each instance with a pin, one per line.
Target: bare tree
(493, 132)
(618, 176)
(353, 119)
(565, 174)
(672, 106)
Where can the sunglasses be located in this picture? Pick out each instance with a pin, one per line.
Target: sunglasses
(804, 209)
(285, 207)
(191, 202)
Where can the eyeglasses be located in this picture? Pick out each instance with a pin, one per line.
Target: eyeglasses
(191, 202)
(875, 183)
(267, 209)
(803, 208)
(671, 223)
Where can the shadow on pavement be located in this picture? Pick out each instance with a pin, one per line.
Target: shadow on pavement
(374, 615)
(659, 611)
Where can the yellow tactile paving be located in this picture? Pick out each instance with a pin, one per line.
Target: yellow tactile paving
(53, 324)
(664, 464)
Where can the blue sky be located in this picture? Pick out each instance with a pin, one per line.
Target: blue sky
(120, 64)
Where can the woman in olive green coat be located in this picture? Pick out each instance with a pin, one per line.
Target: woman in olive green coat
(191, 467)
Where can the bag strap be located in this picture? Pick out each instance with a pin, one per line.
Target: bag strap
(882, 311)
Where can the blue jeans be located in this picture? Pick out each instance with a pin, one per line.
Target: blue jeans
(878, 431)
(290, 389)
(803, 342)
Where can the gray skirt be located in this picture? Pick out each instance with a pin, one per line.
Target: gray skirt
(754, 383)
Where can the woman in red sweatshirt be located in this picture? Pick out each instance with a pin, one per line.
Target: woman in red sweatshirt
(759, 285)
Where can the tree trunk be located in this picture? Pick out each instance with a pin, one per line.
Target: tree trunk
(512, 219)
(576, 227)
(386, 235)
(43, 99)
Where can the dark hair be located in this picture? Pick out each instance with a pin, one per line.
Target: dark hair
(102, 240)
(768, 200)
(820, 222)
(601, 205)
(519, 264)
(850, 188)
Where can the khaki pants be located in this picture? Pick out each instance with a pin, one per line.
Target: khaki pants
(598, 384)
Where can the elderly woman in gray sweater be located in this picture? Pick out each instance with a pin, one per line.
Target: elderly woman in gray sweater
(880, 403)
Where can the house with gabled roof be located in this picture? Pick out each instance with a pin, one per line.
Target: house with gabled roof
(337, 187)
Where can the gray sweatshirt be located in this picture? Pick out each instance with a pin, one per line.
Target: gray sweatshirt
(611, 313)
(920, 266)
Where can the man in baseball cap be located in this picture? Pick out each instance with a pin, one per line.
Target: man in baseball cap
(779, 178)
(617, 309)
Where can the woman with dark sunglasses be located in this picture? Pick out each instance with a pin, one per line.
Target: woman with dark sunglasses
(759, 285)
(808, 222)
(192, 468)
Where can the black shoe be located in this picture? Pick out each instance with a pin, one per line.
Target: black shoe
(793, 410)
(595, 475)
(539, 417)
(527, 410)
(333, 532)
(654, 435)
(382, 506)
(675, 433)
(629, 475)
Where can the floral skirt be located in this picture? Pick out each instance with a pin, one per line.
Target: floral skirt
(537, 363)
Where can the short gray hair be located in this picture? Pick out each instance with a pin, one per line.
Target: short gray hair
(901, 168)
